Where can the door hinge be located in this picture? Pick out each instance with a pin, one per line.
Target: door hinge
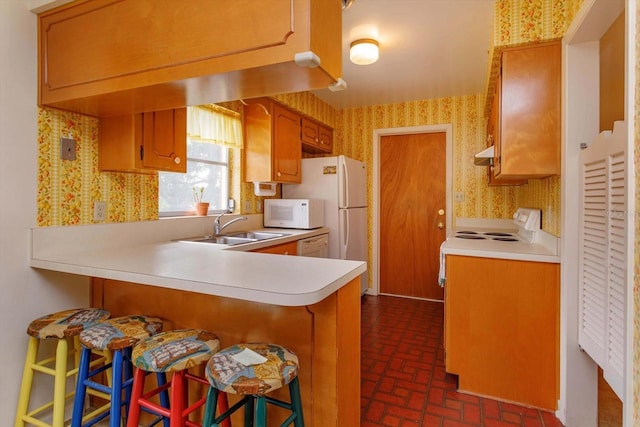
(142, 152)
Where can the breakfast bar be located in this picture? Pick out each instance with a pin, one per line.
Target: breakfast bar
(311, 305)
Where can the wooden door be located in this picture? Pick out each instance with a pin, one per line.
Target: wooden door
(412, 203)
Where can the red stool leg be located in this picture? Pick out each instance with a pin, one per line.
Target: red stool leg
(136, 393)
(223, 406)
(177, 399)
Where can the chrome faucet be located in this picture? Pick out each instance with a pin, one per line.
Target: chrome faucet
(217, 229)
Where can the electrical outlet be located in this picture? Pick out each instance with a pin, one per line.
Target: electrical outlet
(99, 211)
(458, 196)
(248, 206)
(259, 206)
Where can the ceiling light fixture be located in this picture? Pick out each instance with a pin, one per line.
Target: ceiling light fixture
(364, 51)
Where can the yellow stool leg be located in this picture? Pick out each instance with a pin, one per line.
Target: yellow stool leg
(27, 381)
(60, 383)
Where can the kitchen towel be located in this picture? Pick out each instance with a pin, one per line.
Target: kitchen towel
(441, 274)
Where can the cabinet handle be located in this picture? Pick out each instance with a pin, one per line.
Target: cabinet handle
(177, 160)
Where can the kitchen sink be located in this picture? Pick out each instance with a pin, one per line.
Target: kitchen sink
(236, 238)
(221, 240)
(257, 235)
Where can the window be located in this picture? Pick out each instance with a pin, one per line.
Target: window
(207, 167)
(212, 132)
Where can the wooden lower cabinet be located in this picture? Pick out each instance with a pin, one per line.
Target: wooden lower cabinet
(290, 248)
(502, 328)
(325, 336)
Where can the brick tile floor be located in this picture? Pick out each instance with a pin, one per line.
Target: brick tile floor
(404, 383)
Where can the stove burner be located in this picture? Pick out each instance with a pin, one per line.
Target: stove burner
(504, 239)
(467, 232)
(470, 236)
(498, 234)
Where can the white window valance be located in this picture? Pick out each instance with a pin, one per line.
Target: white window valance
(214, 124)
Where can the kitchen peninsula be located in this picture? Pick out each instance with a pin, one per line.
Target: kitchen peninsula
(311, 305)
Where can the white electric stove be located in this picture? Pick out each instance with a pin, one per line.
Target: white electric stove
(521, 238)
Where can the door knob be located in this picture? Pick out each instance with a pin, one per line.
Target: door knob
(441, 225)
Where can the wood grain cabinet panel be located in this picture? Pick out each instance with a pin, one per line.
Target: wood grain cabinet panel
(316, 138)
(528, 143)
(110, 57)
(144, 142)
(502, 328)
(493, 137)
(290, 248)
(273, 150)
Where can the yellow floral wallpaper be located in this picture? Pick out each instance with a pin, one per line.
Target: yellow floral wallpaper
(68, 188)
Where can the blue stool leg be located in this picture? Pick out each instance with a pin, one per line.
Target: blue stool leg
(81, 387)
(128, 381)
(296, 402)
(161, 378)
(210, 407)
(116, 390)
(261, 411)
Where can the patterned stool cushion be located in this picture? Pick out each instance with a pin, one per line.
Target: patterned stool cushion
(175, 350)
(67, 323)
(228, 375)
(120, 332)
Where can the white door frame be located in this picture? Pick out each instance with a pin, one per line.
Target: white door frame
(377, 135)
(578, 404)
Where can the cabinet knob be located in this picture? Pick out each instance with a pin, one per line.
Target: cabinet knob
(279, 173)
(286, 253)
(440, 211)
(177, 160)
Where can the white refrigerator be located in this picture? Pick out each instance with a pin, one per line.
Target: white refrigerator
(342, 183)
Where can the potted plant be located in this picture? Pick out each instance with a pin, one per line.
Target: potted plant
(202, 208)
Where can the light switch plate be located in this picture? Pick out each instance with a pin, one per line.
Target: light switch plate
(67, 149)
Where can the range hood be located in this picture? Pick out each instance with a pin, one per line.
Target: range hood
(484, 158)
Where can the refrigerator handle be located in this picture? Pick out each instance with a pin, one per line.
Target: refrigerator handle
(344, 239)
(344, 183)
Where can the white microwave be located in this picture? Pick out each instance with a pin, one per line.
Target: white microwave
(294, 213)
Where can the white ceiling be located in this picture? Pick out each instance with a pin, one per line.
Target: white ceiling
(428, 49)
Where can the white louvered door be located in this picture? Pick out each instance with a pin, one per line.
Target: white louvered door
(603, 254)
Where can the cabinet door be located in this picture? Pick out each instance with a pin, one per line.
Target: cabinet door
(257, 125)
(326, 139)
(164, 140)
(290, 248)
(144, 143)
(287, 150)
(529, 141)
(309, 133)
(493, 137)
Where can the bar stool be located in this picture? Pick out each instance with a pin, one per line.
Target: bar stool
(60, 326)
(268, 367)
(117, 336)
(171, 352)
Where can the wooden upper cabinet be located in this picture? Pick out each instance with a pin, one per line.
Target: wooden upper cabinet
(111, 57)
(316, 138)
(144, 142)
(527, 144)
(273, 150)
(493, 138)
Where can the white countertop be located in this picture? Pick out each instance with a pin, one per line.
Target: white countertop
(146, 253)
